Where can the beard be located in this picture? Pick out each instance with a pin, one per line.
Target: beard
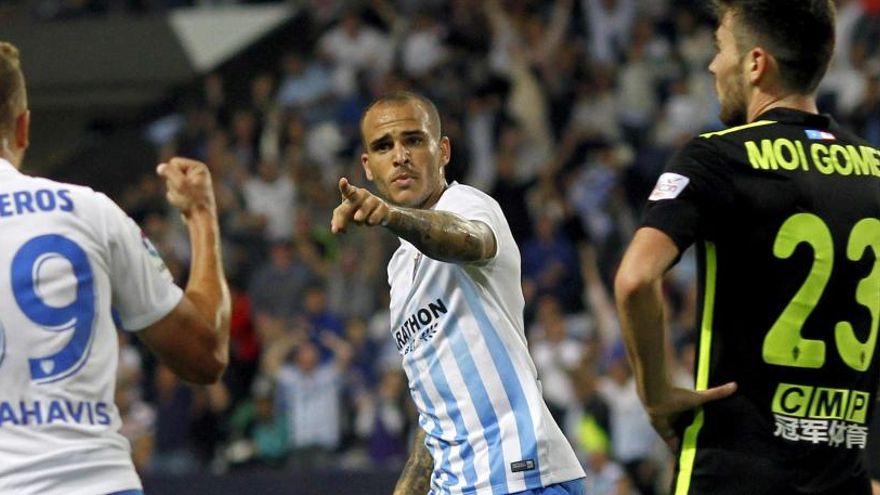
(733, 105)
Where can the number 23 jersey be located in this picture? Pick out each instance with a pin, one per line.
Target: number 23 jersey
(68, 255)
(784, 214)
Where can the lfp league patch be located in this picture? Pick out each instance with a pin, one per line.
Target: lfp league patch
(155, 257)
(668, 186)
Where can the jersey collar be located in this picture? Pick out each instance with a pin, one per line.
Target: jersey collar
(798, 117)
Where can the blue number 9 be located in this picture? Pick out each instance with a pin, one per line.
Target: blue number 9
(79, 315)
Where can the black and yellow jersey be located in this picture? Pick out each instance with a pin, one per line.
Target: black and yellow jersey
(785, 216)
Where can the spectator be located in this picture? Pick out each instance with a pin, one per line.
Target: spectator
(354, 48)
(382, 420)
(271, 195)
(276, 290)
(244, 345)
(319, 320)
(609, 23)
(174, 453)
(305, 83)
(423, 49)
(555, 355)
(309, 395)
(633, 440)
(550, 265)
(258, 433)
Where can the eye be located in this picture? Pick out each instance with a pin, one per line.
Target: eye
(382, 147)
(415, 140)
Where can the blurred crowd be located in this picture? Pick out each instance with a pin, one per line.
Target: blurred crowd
(565, 111)
(61, 10)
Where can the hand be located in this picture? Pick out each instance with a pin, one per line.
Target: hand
(189, 185)
(676, 401)
(359, 206)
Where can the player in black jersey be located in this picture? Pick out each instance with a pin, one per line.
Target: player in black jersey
(784, 210)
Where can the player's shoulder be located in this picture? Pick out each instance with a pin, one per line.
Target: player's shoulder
(456, 193)
(76, 190)
(737, 132)
(721, 147)
(728, 143)
(83, 197)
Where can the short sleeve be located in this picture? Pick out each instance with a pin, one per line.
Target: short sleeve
(142, 287)
(472, 205)
(690, 195)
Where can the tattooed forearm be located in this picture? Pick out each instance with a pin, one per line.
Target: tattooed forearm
(416, 476)
(443, 236)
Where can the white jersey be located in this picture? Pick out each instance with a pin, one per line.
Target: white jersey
(67, 256)
(460, 331)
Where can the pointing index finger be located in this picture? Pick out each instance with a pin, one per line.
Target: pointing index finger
(347, 190)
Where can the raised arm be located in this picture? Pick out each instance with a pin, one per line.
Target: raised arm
(193, 340)
(440, 235)
(416, 475)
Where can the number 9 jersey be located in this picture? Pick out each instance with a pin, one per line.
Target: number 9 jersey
(785, 215)
(68, 257)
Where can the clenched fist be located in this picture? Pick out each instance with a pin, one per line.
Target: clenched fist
(359, 206)
(189, 185)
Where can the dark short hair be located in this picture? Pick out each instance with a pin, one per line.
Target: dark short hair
(799, 34)
(399, 97)
(12, 92)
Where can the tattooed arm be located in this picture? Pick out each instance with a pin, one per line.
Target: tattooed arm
(440, 235)
(416, 476)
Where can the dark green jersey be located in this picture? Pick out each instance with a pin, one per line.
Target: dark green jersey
(785, 215)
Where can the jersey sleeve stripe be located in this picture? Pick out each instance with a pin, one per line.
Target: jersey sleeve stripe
(512, 386)
(759, 123)
(689, 443)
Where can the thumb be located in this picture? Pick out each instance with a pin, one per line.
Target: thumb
(719, 392)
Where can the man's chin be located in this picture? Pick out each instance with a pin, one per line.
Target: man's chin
(404, 200)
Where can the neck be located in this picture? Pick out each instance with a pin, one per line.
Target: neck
(435, 196)
(7, 154)
(764, 102)
(9, 157)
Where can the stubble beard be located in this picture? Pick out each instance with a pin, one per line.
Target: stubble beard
(733, 107)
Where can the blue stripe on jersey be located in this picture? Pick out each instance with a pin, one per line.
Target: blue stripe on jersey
(467, 453)
(515, 395)
(483, 405)
(436, 432)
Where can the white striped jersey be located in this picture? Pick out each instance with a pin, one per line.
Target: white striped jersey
(460, 331)
(67, 256)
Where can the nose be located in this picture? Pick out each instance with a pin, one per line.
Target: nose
(401, 154)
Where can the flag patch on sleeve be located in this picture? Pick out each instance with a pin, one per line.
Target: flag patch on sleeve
(668, 186)
(820, 135)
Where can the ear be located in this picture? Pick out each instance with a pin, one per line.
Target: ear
(22, 130)
(758, 63)
(445, 151)
(365, 162)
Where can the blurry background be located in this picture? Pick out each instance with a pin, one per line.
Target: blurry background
(564, 110)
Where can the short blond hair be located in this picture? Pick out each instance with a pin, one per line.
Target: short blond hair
(13, 98)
